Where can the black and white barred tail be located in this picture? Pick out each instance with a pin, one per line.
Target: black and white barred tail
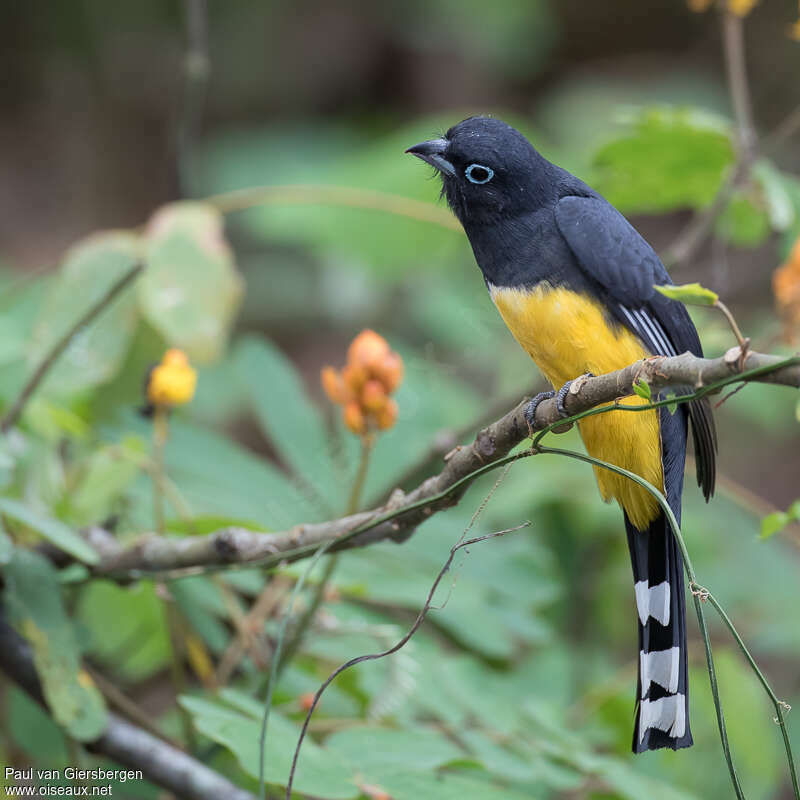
(662, 700)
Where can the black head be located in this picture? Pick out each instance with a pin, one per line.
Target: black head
(489, 170)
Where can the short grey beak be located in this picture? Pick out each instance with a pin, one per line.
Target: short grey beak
(433, 152)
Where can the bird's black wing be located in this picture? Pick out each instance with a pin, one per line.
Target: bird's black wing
(623, 268)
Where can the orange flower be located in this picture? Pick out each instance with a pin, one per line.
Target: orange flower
(354, 418)
(786, 288)
(373, 371)
(367, 349)
(387, 416)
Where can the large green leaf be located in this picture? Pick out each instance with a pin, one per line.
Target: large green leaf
(287, 416)
(369, 748)
(33, 595)
(109, 472)
(670, 159)
(319, 773)
(125, 627)
(52, 529)
(97, 350)
(407, 785)
(228, 481)
(190, 289)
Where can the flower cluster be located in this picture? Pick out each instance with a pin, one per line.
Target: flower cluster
(172, 381)
(786, 288)
(364, 385)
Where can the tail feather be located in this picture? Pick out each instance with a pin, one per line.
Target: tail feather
(662, 713)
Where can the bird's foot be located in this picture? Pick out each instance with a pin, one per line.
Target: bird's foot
(561, 396)
(533, 404)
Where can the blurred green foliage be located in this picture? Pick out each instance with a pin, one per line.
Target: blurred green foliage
(521, 683)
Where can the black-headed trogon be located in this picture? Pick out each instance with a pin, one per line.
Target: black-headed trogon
(573, 281)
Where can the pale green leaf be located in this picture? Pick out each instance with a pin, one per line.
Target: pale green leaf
(319, 772)
(6, 546)
(33, 595)
(774, 523)
(108, 474)
(669, 158)
(642, 389)
(690, 293)
(369, 748)
(190, 289)
(96, 351)
(52, 529)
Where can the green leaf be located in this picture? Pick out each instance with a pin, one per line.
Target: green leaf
(406, 785)
(107, 475)
(96, 351)
(370, 748)
(6, 546)
(774, 523)
(776, 193)
(125, 628)
(778, 520)
(287, 417)
(690, 293)
(204, 524)
(671, 407)
(745, 221)
(671, 158)
(190, 290)
(33, 596)
(319, 772)
(53, 530)
(642, 389)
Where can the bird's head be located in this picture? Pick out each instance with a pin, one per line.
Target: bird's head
(489, 170)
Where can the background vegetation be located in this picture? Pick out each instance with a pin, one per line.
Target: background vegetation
(522, 685)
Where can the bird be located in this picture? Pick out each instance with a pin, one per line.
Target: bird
(574, 282)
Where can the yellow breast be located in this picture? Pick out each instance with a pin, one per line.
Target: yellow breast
(567, 334)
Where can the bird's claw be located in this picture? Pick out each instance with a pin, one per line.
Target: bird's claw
(533, 404)
(561, 397)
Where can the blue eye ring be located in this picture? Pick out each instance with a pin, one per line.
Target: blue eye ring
(485, 174)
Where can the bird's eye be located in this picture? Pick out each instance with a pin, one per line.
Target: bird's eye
(477, 173)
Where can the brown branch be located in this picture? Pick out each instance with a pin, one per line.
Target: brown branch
(128, 745)
(401, 515)
(12, 415)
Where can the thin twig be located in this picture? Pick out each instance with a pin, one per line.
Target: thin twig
(307, 617)
(276, 659)
(738, 86)
(662, 501)
(462, 543)
(700, 595)
(12, 415)
(780, 706)
(116, 698)
(692, 237)
(228, 547)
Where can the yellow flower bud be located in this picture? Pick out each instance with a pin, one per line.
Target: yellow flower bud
(173, 381)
